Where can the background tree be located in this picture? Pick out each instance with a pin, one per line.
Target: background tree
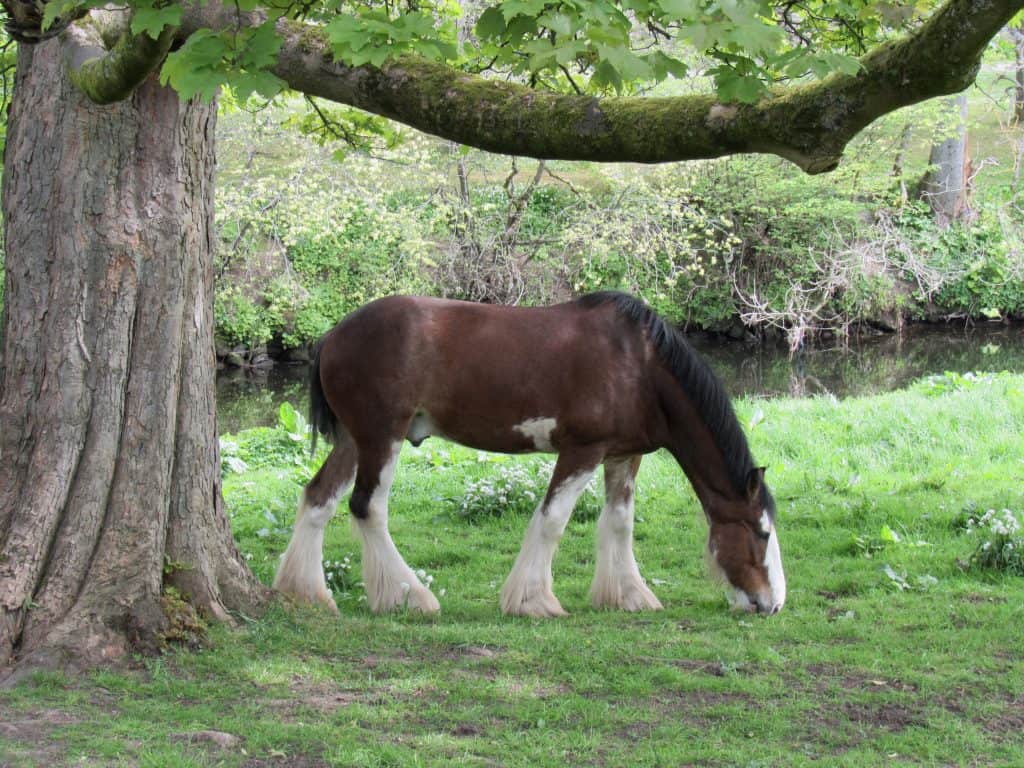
(109, 474)
(946, 185)
(1016, 32)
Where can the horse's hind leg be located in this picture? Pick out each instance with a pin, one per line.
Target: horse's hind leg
(528, 589)
(301, 572)
(390, 582)
(617, 581)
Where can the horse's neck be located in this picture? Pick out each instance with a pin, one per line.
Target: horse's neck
(697, 452)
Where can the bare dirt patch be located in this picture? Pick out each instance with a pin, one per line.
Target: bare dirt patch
(373, 661)
(714, 668)
(463, 652)
(466, 730)
(976, 597)
(826, 676)
(326, 697)
(887, 716)
(696, 708)
(1008, 725)
(32, 733)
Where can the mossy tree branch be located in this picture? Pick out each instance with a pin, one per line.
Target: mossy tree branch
(110, 74)
(807, 124)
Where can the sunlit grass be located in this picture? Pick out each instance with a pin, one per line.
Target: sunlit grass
(860, 668)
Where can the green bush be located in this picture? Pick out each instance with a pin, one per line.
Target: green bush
(238, 320)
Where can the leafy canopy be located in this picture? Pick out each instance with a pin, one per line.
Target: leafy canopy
(589, 46)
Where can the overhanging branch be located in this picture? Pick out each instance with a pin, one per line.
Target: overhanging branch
(809, 124)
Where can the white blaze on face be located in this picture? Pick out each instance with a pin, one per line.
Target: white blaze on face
(776, 577)
(770, 602)
(539, 431)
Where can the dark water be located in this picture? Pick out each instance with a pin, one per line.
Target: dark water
(866, 366)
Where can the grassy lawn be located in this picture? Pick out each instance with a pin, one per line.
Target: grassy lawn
(893, 647)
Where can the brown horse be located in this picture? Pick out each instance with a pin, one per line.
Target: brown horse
(602, 379)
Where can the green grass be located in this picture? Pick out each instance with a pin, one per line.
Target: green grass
(853, 672)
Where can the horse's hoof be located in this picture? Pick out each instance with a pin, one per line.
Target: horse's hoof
(631, 596)
(422, 600)
(538, 606)
(320, 600)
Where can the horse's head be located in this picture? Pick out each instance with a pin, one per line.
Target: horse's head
(743, 549)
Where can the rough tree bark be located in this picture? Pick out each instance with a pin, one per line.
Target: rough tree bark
(109, 465)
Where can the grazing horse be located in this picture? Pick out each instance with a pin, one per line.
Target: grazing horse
(599, 380)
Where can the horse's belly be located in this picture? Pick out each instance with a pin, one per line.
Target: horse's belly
(522, 436)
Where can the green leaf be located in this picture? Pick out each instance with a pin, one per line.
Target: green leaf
(848, 65)
(153, 19)
(679, 10)
(347, 34)
(491, 24)
(605, 75)
(663, 63)
(557, 22)
(262, 82)
(515, 8)
(888, 535)
(735, 87)
(569, 51)
(54, 10)
(261, 47)
(197, 67)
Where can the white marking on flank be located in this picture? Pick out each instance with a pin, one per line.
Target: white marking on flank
(538, 430)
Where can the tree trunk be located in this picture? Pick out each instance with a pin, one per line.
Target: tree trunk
(1017, 35)
(946, 186)
(109, 466)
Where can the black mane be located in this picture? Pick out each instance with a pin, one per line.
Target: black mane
(696, 378)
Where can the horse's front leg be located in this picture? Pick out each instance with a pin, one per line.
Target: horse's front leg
(617, 580)
(528, 589)
(390, 582)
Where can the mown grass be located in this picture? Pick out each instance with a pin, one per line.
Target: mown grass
(856, 670)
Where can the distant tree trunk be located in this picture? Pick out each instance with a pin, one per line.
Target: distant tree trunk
(1017, 35)
(945, 186)
(109, 469)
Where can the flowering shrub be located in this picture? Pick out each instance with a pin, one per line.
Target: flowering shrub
(517, 489)
(340, 578)
(1000, 543)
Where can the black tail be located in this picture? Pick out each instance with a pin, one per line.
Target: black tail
(320, 414)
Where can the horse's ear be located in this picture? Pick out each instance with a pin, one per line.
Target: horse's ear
(755, 480)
